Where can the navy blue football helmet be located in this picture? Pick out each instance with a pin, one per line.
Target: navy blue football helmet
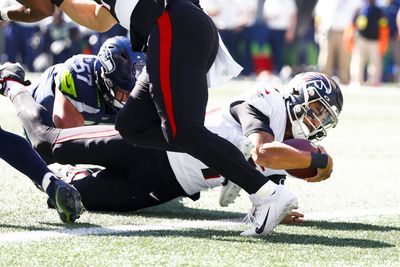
(305, 89)
(116, 69)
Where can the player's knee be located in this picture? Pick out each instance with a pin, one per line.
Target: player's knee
(185, 136)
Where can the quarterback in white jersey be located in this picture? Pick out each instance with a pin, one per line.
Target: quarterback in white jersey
(262, 121)
(191, 173)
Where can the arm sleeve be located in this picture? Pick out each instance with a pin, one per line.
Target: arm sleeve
(250, 118)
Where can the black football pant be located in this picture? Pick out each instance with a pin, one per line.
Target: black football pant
(166, 109)
(133, 178)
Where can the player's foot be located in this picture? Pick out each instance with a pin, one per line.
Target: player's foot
(67, 201)
(11, 72)
(69, 173)
(267, 212)
(229, 192)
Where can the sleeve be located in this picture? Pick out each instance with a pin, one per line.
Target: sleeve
(250, 118)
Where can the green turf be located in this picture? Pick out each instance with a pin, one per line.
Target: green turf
(366, 154)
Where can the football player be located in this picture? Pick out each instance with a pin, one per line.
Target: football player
(312, 102)
(167, 108)
(128, 177)
(17, 152)
(88, 88)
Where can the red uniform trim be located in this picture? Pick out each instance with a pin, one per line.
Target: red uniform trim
(164, 25)
(212, 177)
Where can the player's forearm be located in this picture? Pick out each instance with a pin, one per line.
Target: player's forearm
(89, 14)
(279, 156)
(23, 14)
(44, 7)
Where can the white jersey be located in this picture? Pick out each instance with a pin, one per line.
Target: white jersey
(194, 176)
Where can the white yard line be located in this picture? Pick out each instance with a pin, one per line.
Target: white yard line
(39, 235)
(27, 236)
(343, 214)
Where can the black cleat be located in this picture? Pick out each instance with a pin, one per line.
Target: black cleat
(67, 202)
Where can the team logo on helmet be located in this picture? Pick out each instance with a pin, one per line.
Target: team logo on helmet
(319, 82)
(107, 60)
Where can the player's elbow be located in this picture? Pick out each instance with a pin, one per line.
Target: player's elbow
(103, 28)
(97, 25)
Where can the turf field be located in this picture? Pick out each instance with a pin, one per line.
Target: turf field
(351, 219)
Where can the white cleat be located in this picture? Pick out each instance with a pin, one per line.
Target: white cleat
(69, 173)
(229, 192)
(267, 212)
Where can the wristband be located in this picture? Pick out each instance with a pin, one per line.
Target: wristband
(4, 15)
(57, 2)
(318, 160)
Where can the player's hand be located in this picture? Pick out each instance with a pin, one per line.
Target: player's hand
(325, 173)
(293, 218)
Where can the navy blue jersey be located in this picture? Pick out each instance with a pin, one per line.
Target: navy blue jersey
(75, 78)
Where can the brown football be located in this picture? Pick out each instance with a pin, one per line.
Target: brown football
(303, 145)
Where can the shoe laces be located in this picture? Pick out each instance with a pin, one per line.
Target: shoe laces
(250, 218)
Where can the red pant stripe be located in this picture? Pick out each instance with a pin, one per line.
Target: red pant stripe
(164, 25)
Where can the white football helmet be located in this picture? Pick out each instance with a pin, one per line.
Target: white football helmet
(307, 88)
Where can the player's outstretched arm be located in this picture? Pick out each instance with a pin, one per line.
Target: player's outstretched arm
(28, 11)
(276, 155)
(87, 13)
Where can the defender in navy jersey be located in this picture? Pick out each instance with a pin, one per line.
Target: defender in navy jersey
(17, 152)
(155, 177)
(88, 89)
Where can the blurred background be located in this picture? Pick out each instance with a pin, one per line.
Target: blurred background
(356, 41)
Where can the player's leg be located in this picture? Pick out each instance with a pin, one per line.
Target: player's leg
(99, 145)
(177, 67)
(191, 62)
(181, 103)
(88, 144)
(147, 181)
(16, 151)
(138, 121)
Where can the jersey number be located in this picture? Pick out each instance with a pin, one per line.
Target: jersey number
(83, 72)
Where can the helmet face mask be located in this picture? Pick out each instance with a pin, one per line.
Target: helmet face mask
(314, 103)
(111, 92)
(116, 70)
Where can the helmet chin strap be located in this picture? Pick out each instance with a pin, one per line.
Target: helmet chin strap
(300, 130)
(117, 104)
